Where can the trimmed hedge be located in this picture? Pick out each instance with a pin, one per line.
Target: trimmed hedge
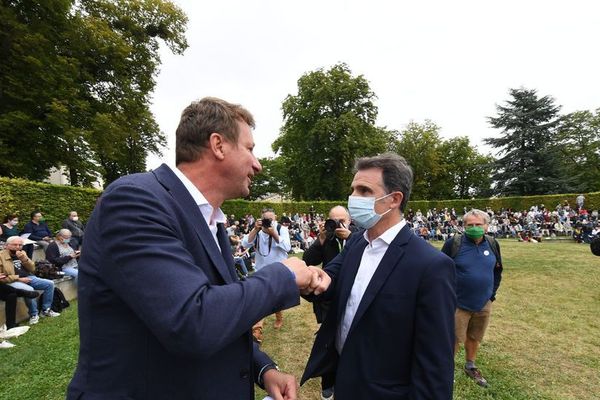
(243, 207)
(55, 202)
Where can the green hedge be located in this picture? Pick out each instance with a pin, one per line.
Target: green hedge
(55, 202)
(592, 202)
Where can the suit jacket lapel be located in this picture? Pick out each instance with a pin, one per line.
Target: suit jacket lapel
(388, 263)
(347, 275)
(176, 188)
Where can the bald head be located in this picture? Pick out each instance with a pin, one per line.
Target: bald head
(341, 214)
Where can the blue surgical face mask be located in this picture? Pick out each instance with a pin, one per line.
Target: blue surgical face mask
(67, 241)
(362, 210)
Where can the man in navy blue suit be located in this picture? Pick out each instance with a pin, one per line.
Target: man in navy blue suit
(389, 333)
(162, 314)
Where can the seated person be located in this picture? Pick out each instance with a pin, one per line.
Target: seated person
(9, 227)
(9, 295)
(239, 256)
(61, 254)
(39, 232)
(17, 270)
(76, 227)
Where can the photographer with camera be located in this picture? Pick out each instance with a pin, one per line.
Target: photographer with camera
(271, 242)
(333, 234)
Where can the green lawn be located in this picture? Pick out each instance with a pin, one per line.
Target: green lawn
(543, 341)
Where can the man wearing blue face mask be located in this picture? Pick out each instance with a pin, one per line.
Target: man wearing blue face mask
(389, 333)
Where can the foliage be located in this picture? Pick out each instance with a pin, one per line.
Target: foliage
(271, 180)
(75, 85)
(327, 125)
(579, 135)
(54, 201)
(443, 169)
(530, 161)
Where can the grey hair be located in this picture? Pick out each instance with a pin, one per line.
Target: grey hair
(479, 214)
(64, 232)
(13, 239)
(396, 173)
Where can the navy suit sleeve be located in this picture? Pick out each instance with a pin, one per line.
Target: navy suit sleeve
(149, 265)
(433, 355)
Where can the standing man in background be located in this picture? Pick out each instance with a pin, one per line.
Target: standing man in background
(478, 275)
(271, 242)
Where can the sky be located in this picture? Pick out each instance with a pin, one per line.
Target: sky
(450, 62)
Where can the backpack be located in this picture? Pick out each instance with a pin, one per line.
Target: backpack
(59, 301)
(457, 241)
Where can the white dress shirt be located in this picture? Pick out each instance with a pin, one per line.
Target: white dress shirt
(277, 252)
(369, 262)
(211, 216)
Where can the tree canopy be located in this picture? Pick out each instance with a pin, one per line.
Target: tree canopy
(529, 161)
(75, 84)
(327, 125)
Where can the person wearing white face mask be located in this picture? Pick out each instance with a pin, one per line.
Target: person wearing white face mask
(389, 333)
(62, 255)
(76, 227)
(9, 227)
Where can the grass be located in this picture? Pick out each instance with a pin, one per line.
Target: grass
(543, 341)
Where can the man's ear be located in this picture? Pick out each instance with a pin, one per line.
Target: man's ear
(398, 197)
(216, 145)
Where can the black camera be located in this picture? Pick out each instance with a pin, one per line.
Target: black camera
(332, 224)
(266, 222)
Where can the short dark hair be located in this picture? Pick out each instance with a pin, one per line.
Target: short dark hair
(202, 118)
(397, 175)
(9, 217)
(35, 212)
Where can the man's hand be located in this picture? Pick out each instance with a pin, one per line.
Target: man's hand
(25, 280)
(21, 255)
(320, 282)
(342, 233)
(322, 232)
(280, 386)
(304, 275)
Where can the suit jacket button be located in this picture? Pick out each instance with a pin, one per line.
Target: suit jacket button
(244, 374)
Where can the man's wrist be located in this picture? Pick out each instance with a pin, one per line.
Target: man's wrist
(262, 372)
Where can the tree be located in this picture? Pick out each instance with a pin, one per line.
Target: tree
(579, 135)
(530, 162)
(270, 180)
(327, 125)
(75, 84)
(466, 169)
(419, 145)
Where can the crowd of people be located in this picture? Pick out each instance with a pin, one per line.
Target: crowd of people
(18, 276)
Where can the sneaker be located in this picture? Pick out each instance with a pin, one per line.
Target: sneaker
(34, 319)
(327, 394)
(6, 345)
(50, 313)
(474, 374)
